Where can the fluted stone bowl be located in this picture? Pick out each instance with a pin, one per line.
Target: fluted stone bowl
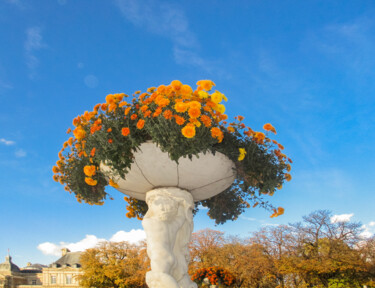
(203, 177)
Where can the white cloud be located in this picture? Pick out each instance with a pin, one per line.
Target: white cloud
(341, 218)
(90, 241)
(33, 43)
(6, 142)
(20, 153)
(167, 20)
(372, 223)
(368, 230)
(91, 81)
(134, 236)
(248, 218)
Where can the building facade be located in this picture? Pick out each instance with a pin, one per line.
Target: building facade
(62, 273)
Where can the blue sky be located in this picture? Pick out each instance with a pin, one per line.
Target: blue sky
(307, 67)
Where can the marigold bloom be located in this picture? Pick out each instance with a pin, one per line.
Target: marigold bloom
(231, 129)
(97, 107)
(113, 183)
(55, 178)
(179, 120)
(79, 133)
(92, 153)
(104, 106)
(89, 170)
(90, 181)
(55, 169)
(217, 133)
(186, 90)
(176, 85)
(127, 110)
(203, 94)
(162, 102)
(206, 84)
(180, 107)
(134, 116)
(140, 123)
(122, 104)
(242, 154)
(157, 112)
(70, 141)
(147, 113)
(220, 108)
(144, 108)
(168, 114)
(68, 131)
(269, 127)
(260, 136)
(110, 141)
(188, 131)
(288, 177)
(195, 104)
(194, 112)
(195, 122)
(206, 120)
(109, 130)
(216, 97)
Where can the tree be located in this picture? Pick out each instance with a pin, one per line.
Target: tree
(121, 265)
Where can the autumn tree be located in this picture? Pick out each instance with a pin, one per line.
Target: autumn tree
(119, 265)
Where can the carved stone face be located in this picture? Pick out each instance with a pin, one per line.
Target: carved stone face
(164, 207)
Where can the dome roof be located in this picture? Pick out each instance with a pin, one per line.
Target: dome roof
(69, 259)
(8, 265)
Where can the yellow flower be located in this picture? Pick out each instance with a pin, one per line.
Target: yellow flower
(206, 84)
(90, 181)
(195, 104)
(216, 97)
(288, 177)
(113, 183)
(89, 170)
(242, 154)
(203, 94)
(79, 133)
(220, 108)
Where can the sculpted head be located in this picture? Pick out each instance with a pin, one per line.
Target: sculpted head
(163, 207)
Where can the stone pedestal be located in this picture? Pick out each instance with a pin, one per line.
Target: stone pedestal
(170, 189)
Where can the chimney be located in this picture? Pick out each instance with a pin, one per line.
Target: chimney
(64, 251)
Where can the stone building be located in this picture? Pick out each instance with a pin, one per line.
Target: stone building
(61, 273)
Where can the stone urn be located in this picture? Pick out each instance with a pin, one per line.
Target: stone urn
(170, 190)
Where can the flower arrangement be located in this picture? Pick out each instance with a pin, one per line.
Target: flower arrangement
(183, 123)
(213, 275)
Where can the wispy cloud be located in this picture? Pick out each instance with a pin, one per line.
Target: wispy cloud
(341, 218)
(90, 241)
(6, 142)
(34, 42)
(167, 20)
(20, 153)
(368, 230)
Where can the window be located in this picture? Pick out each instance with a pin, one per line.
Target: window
(68, 279)
(53, 279)
(33, 282)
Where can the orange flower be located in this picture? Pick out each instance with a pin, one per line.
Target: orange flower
(206, 120)
(70, 141)
(110, 141)
(89, 170)
(195, 104)
(79, 133)
(140, 123)
(168, 114)
(179, 120)
(104, 107)
(288, 177)
(96, 107)
(92, 153)
(68, 131)
(269, 127)
(231, 129)
(113, 184)
(161, 101)
(55, 178)
(109, 130)
(144, 108)
(157, 112)
(134, 116)
(176, 85)
(194, 112)
(55, 169)
(90, 181)
(180, 107)
(188, 131)
(127, 110)
(147, 113)
(259, 136)
(217, 133)
(240, 118)
(206, 84)
(186, 90)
